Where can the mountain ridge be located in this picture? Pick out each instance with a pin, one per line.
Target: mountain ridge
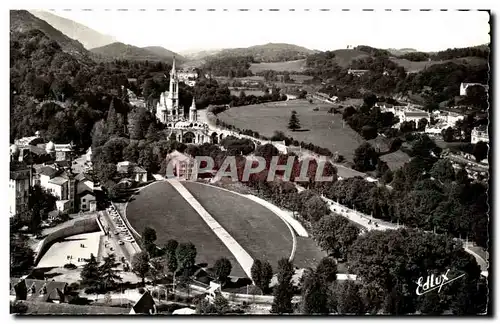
(87, 36)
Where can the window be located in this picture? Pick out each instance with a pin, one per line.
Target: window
(83, 199)
(84, 206)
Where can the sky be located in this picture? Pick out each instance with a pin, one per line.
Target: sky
(322, 30)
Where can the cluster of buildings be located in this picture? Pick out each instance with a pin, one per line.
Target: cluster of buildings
(73, 191)
(54, 168)
(406, 113)
(187, 76)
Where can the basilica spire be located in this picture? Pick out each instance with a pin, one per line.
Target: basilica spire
(173, 72)
(193, 115)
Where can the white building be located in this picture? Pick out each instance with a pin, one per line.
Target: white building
(132, 170)
(357, 73)
(19, 186)
(167, 109)
(464, 86)
(168, 112)
(479, 134)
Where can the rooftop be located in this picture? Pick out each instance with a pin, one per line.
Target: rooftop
(58, 181)
(48, 171)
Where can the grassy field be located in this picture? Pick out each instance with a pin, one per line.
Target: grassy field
(248, 92)
(395, 160)
(297, 65)
(162, 208)
(418, 66)
(318, 127)
(259, 231)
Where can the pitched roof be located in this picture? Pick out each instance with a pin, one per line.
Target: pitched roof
(18, 175)
(416, 114)
(58, 181)
(145, 304)
(48, 171)
(41, 290)
(40, 308)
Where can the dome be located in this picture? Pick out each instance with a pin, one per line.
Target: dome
(14, 149)
(50, 147)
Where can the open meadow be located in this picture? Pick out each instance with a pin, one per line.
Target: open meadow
(318, 127)
(297, 65)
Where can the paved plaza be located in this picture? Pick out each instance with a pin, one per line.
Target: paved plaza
(57, 254)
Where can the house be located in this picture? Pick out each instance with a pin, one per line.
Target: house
(87, 201)
(131, 170)
(145, 305)
(179, 165)
(30, 140)
(415, 116)
(60, 183)
(38, 290)
(63, 151)
(479, 134)
(19, 186)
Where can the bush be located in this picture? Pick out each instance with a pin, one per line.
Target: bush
(141, 290)
(70, 266)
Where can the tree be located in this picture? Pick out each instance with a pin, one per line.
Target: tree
(334, 234)
(256, 272)
(108, 272)
(148, 238)
(314, 209)
(365, 158)
(327, 271)
(222, 269)
(221, 304)
(348, 298)
(480, 151)
(140, 265)
(448, 134)
(90, 275)
(283, 291)
(294, 122)
(156, 270)
(186, 256)
(422, 124)
(443, 171)
(22, 257)
(314, 298)
(170, 252)
(266, 276)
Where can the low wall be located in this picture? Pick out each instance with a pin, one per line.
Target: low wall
(74, 227)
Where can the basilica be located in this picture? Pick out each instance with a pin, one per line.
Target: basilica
(168, 112)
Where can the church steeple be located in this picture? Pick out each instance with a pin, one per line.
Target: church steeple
(173, 72)
(193, 115)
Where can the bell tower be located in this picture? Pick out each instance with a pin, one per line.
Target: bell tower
(193, 115)
(173, 94)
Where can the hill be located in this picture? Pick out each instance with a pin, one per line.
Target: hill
(199, 54)
(295, 66)
(22, 21)
(271, 52)
(165, 53)
(344, 57)
(133, 53)
(401, 51)
(411, 66)
(85, 35)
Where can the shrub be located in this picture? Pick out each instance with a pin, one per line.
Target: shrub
(70, 266)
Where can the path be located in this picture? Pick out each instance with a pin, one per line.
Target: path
(242, 256)
(364, 221)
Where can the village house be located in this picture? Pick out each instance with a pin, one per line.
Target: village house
(133, 171)
(479, 134)
(38, 290)
(19, 186)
